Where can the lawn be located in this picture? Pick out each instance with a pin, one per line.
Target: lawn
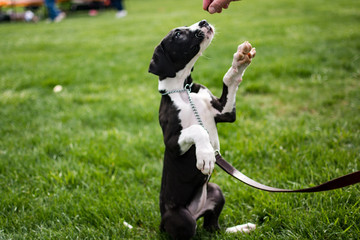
(78, 163)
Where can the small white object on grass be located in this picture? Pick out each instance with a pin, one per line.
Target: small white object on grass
(57, 88)
(245, 228)
(128, 225)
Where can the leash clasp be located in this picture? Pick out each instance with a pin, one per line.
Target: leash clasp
(217, 152)
(187, 87)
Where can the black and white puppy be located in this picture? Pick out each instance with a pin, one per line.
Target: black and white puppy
(189, 159)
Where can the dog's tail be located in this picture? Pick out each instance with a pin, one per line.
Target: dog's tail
(336, 183)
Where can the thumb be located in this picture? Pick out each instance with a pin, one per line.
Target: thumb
(218, 5)
(206, 4)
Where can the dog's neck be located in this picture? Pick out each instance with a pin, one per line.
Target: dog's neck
(182, 78)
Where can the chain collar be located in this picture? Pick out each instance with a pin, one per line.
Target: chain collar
(187, 88)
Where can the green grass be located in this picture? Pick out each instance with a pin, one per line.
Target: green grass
(78, 163)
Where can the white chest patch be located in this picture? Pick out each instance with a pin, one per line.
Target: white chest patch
(202, 102)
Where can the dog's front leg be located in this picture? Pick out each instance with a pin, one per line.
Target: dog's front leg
(241, 60)
(205, 157)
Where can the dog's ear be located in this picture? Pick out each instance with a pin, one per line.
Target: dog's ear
(161, 64)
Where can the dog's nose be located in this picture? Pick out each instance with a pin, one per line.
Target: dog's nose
(203, 23)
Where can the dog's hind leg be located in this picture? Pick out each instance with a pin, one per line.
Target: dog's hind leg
(214, 205)
(179, 223)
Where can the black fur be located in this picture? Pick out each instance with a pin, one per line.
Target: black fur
(174, 52)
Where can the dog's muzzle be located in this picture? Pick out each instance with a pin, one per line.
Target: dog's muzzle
(205, 29)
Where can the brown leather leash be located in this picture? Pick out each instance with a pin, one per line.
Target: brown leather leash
(336, 183)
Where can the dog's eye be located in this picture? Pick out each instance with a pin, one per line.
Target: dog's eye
(177, 34)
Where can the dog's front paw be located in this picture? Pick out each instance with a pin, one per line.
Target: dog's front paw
(205, 160)
(243, 56)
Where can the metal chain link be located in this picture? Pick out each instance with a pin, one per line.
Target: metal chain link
(187, 89)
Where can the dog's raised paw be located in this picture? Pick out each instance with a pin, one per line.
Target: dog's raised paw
(244, 54)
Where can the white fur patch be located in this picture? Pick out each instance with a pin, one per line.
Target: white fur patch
(244, 228)
(197, 204)
(127, 225)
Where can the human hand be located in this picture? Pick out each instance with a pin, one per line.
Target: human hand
(216, 6)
